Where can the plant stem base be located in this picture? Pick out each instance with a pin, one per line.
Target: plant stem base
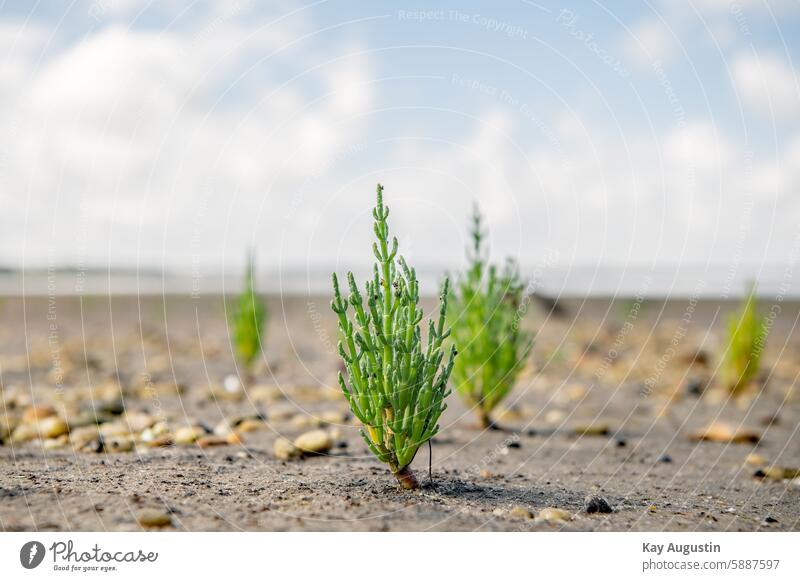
(406, 478)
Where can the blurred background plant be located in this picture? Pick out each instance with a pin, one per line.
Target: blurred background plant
(247, 318)
(747, 337)
(487, 307)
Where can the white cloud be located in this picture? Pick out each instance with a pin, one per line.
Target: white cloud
(649, 41)
(768, 84)
(125, 135)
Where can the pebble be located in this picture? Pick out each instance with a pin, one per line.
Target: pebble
(304, 421)
(755, 459)
(285, 450)
(554, 515)
(334, 417)
(314, 442)
(49, 427)
(54, 443)
(231, 384)
(594, 429)
(721, 432)
(250, 425)
(162, 441)
(209, 441)
(554, 417)
(80, 437)
(7, 426)
(520, 512)
(665, 458)
(486, 474)
(118, 444)
(35, 413)
(695, 386)
(265, 393)
(597, 504)
(153, 517)
(777, 473)
(769, 520)
(188, 434)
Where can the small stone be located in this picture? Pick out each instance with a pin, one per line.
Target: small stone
(281, 411)
(265, 393)
(594, 429)
(621, 442)
(314, 442)
(597, 504)
(777, 473)
(554, 515)
(24, 433)
(209, 441)
(153, 517)
(162, 441)
(35, 413)
(52, 427)
(55, 443)
(7, 426)
(285, 450)
(250, 425)
(769, 520)
(188, 435)
(755, 459)
(82, 436)
(575, 392)
(520, 512)
(334, 417)
(695, 386)
(137, 422)
(721, 432)
(49, 427)
(665, 459)
(554, 417)
(233, 438)
(154, 432)
(113, 429)
(118, 444)
(485, 474)
(231, 384)
(305, 421)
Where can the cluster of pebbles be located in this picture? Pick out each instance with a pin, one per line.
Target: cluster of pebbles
(107, 419)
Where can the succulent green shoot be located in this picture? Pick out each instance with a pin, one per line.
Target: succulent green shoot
(487, 309)
(248, 316)
(396, 381)
(747, 336)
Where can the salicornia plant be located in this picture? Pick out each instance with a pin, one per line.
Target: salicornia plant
(485, 315)
(747, 336)
(248, 315)
(396, 381)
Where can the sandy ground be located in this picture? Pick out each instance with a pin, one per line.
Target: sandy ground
(636, 372)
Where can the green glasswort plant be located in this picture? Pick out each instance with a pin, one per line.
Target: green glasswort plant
(747, 336)
(487, 308)
(248, 315)
(396, 382)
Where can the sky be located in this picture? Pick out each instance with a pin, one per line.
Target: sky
(175, 135)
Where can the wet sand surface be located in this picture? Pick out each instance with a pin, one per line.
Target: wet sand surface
(607, 407)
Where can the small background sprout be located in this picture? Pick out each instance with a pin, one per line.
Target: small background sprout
(247, 319)
(396, 381)
(747, 337)
(485, 315)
